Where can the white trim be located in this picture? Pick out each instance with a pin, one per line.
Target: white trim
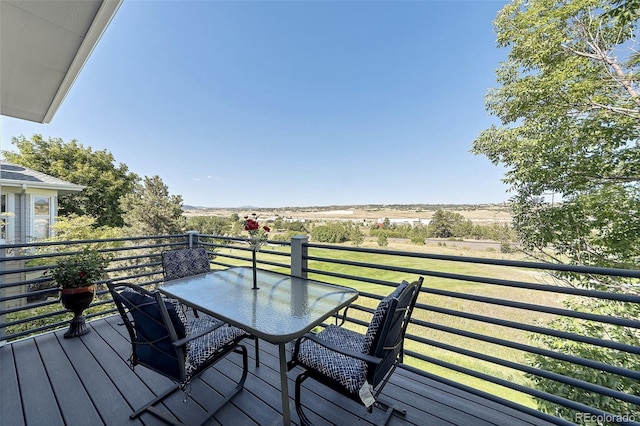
(102, 19)
(10, 219)
(42, 185)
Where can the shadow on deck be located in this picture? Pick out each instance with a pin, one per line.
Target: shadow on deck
(49, 380)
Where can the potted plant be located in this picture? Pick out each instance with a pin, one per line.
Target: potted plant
(77, 277)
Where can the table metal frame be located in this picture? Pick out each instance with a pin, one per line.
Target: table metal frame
(228, 295)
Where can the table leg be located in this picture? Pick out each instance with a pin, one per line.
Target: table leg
(284, 385)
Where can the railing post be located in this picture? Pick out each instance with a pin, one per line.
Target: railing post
(299, 252)
(192, 238)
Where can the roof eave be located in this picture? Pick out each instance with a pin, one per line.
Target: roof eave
(104, 16)
(64, 188)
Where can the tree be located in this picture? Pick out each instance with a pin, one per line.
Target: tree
(150, 210)
(571, 121)
(356, 236)
(71, 161)
(444, 223)
(333, 232)
(382, 240)
(211, 225)
(569, 106)
(75, 227)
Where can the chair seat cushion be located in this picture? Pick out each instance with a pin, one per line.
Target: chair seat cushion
(349, 372)
(200, 350)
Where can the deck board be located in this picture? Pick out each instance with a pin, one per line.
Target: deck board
(38, 400)
(49, 380)
(10, 404)
(66, 385)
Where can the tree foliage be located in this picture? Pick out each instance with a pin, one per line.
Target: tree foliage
(445, 224)
(211, 225)
(71, 161)
(569, 103)
(569, 106)
(333, 232)
(151, 210)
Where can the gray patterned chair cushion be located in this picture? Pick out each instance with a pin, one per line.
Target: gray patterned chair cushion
(184, 263)
(201, 349)
(349, 372)
(378, 316)
(179, 309)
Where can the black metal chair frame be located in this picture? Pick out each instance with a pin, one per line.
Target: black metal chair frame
(385, 355)
(178, 353)
(201, 252)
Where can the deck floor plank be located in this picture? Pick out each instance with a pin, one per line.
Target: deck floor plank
(41, 376)
(66, 385)
(111, 405)
(38, 399)
(10, 401)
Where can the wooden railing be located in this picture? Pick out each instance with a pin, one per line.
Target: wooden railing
(510, 331)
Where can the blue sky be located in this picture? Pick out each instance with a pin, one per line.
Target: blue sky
(283, 103)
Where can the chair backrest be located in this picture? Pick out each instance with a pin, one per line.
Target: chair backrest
(153, 323)
(185, 263)
(386, 331)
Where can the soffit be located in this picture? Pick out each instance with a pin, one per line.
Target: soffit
(43, 47)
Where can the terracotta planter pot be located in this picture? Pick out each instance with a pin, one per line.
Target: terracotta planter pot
(77, 300)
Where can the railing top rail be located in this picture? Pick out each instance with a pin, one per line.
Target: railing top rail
(73, 242)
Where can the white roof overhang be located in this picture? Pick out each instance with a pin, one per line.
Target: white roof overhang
(61, 188)
(43, 47)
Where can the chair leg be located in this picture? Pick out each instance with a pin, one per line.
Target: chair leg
(245, 369)
(150, 404)
(304, 421)
(256, 340)
(390, 409)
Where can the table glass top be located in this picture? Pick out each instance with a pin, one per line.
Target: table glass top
(283, 308)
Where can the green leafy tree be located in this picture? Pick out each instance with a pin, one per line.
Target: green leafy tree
(278, 223)
(71, 161)
(356, 236)
(569, 106)
(296, 226)
(151, 210)
(211, 225)
(444, 223)
(382, 240)
(333, 232)
(75, 227)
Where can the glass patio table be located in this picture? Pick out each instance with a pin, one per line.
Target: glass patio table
(282, 309)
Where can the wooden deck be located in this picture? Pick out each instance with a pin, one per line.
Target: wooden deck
(49, 380)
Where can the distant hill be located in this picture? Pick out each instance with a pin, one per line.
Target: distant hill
(370, 207)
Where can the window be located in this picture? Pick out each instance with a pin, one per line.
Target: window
(3, 217)
(41, 217)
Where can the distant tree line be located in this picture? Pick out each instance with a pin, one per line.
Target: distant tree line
(444, 224)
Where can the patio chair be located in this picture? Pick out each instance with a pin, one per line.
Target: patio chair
(165, 341)
(184, 263)
(354, 364)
